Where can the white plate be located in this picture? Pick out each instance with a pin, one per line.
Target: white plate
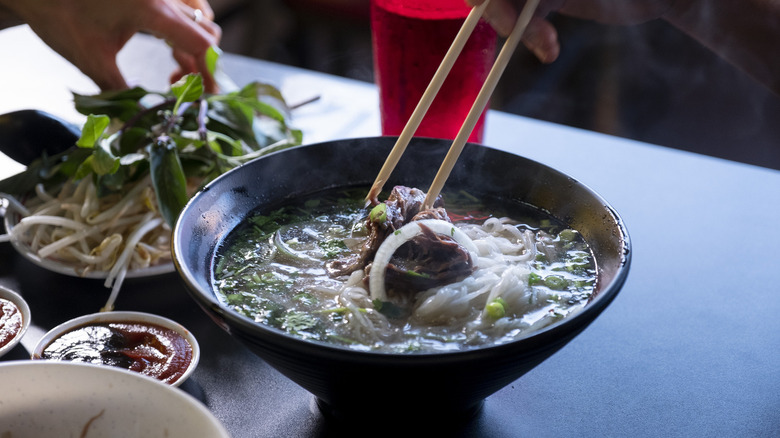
(58, 266)
(60, 399)
(25, 311)
(123, 316)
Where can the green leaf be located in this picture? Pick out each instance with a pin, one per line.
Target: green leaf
(296, 322)
(103, 161)
(332, 248)
(187, 89)
(133, 139)
(122, 104)
(170, 184)
(212, 56)
(260, 91)
(73, 160)
(240, 126)
(85, 168)
(93, 129)
(113, 182)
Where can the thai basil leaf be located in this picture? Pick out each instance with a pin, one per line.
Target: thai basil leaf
(72, 159)
(113, 182)
(133, 139)
(93, 130)
(212, 56)
(103, 161)
(187, 89)
(170, 184)
(121, 104)
(84, 168)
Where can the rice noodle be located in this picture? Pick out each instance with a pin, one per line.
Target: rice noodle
(503, 253)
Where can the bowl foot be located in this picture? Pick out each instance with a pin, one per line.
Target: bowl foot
(417, 422)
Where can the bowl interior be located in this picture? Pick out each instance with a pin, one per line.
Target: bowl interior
(24, 311)
(123, 316)
(42, 398)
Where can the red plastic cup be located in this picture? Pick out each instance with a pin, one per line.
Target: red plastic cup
(410, 39)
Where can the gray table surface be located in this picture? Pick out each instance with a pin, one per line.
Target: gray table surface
(690, 346)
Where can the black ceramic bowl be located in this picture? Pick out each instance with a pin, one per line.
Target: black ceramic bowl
(351, 384)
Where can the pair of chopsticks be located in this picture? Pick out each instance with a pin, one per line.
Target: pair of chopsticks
(476, 109)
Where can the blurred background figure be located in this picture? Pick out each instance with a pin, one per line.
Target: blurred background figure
(648, 81)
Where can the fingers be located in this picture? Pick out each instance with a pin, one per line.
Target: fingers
(501, 14)
(540, 36)
(108, 77)
(203, 5)
(188, 28)
(190, 64)
(177, 25)
(541, 39)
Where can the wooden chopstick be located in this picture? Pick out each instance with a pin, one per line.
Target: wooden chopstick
(481, 102)
(425, 101)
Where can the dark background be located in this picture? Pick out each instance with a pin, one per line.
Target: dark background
(648, 82)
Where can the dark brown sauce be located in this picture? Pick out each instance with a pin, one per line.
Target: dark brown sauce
(142, 347)
(10, 321)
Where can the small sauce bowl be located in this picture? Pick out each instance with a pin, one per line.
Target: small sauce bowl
(14, 319)
(149, 344)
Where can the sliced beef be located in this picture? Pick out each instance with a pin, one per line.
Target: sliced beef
(428, 260)
(403, 206)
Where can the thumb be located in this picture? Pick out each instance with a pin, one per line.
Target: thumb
(108, 77)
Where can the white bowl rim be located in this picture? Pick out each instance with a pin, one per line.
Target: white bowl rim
(123, 316)
(140, 379)
(24, 308)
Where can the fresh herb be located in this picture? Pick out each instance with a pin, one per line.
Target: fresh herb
(297, 322)
(175, 137)
(263, 226)
(332, 248)
(390, 310)
(556, 282)
(567, 235)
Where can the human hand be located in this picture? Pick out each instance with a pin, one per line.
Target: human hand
(541, 37)
(90, 33)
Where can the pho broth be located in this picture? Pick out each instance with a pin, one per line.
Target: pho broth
(531, 272)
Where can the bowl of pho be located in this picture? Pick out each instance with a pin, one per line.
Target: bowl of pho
(386, 306)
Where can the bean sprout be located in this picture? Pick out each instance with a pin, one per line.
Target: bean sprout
(109, 235)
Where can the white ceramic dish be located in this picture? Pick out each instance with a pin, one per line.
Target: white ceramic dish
(123, 316)
(24, 309)
(11, 219)
(65, 399)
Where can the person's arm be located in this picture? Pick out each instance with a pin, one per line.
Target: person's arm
(90, 33)
(744, 32)
(7, 17)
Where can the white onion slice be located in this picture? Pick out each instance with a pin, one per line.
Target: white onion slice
(376, 282)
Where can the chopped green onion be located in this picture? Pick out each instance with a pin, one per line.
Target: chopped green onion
(495, 309)
(568, 235)
(379, 213)
(555, 282)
